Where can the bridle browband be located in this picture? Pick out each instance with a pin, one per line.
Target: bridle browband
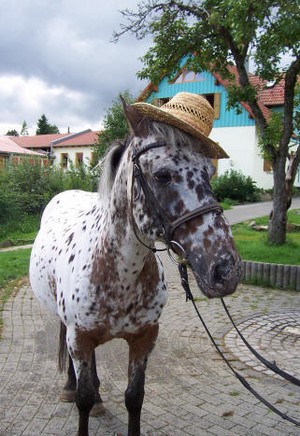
(166, 227)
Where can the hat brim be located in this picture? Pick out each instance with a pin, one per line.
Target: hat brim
(207, 146)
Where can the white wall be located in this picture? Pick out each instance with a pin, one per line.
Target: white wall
(86, 150)
(240, 143)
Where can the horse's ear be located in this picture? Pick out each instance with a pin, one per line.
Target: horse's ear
(137, 121)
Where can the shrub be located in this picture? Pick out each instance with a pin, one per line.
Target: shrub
(27, 187)
(235, 186)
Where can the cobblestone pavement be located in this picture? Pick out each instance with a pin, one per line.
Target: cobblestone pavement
(189, 389)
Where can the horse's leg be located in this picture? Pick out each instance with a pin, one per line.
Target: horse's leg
(139, 349)
(85, 393)
(98, 408)
(81, 350)
(69, 390)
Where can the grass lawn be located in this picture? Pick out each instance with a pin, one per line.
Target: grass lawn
(20, 232)
(253, 245)
(13, 265)
(13, 269)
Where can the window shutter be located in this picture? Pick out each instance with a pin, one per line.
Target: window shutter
(215, 163)
(217, 99)
(267, 166)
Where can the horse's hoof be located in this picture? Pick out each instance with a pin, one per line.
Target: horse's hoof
(97, 409)
(67, 396)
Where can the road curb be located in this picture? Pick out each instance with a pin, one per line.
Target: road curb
(271, 274)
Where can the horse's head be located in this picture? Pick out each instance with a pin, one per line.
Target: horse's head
(172, 201)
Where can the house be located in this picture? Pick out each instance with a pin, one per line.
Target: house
(236, 132)
(64, 149)
(10, 151)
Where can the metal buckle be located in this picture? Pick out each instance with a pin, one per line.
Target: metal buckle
(181, 258)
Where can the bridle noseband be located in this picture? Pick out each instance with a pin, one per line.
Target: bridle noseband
(166, 227)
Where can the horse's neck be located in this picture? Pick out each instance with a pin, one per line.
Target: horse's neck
(119, 236)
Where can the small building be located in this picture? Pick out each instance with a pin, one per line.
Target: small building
(235, 131)
(12, 152)
(65, 149)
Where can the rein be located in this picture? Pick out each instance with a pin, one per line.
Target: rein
(271, 365)
(189, 296)
(166, 227)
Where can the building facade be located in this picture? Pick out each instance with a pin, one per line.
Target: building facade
(235, 131)
(65, 150)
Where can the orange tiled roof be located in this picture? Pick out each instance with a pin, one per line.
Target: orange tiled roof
(86, 137)
(269, 94)
(37, 141)
(7, 146)
(264, 94)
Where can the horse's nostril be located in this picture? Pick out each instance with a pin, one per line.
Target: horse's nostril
(221, 272)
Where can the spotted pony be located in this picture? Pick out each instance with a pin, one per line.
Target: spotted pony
(94, 263)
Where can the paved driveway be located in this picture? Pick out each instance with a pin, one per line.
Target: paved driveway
(189, 389)
(254, 210)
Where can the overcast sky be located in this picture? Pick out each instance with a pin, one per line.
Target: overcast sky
(57, 58)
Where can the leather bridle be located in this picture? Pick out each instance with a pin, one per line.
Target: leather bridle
(165, 226)
(167, 230)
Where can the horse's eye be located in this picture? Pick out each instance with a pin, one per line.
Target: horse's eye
(163, 176)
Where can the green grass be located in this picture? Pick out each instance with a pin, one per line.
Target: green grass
(20, 232)
(253, 245)
(13, 268)
(13, 265)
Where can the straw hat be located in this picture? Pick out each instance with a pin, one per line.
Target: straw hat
(190, 113)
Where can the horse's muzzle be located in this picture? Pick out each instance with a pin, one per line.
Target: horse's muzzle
(218, 279)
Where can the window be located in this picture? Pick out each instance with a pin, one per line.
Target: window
(2, 161)
(214, 101)
(160, 101)
(78, 159)
(215, 163)
(188, 76)
(93, 159)
(64, 160)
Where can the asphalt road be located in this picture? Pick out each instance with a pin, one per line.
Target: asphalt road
(254, 210)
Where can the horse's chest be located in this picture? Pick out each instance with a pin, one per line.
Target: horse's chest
(116, 309)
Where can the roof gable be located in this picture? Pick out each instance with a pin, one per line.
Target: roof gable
(37, 141)
(7, 146)
(86, 137)
(269, 95)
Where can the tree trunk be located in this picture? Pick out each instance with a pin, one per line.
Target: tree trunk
(278, 217)
(294, 160)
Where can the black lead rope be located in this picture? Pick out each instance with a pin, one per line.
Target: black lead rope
(271, 365)
(189, 296)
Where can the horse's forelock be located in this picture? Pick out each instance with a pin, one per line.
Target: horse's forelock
(178, 138)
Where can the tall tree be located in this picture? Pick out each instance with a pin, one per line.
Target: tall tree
(44, 127)
(115, 125)
(24, 129)
(218, 32)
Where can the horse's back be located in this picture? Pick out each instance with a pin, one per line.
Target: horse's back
(70, 205)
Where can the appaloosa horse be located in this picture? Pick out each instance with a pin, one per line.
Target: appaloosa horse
(94, 263)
